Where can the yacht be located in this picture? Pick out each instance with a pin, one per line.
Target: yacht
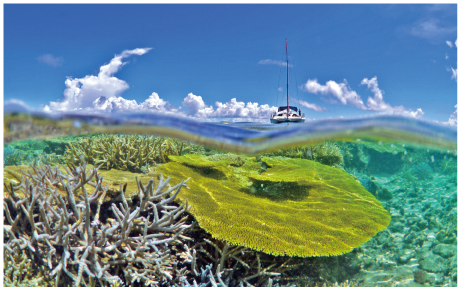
(287, 113)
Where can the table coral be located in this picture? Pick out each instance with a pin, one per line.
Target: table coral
(313, 210)
(325, 153)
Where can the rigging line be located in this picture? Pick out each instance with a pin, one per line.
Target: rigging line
(293, 72)
(279, 80)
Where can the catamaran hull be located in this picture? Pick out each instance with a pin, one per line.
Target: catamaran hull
(282, 120)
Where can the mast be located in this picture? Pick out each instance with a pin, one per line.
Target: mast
(286, 49)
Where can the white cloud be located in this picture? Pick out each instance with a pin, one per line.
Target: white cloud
(452, 118)
(50, 60)
(312, 106)
(232, 109)
(195, 104)
(454, 73)
(446, 56)
(81, 93)
(153, 103)
(377, 103)
(274, 62)
(456, 43)
(345, 95)
(341, 91)
(449, 43)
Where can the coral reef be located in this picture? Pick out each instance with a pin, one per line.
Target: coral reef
(11, 156)
(131, 244)
(21, 271)
(236, 160)
(126, 152)
(144, 240)
(296, 207)
(325, 153)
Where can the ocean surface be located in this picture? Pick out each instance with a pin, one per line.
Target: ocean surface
(350, 202)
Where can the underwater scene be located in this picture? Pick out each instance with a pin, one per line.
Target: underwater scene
(147, 201)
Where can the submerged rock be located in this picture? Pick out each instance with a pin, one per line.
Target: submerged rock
(446, 251)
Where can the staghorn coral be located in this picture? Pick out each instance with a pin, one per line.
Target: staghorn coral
(73, 238)
(20, 271)
(315, 211)
(218, 263)
(126, 152)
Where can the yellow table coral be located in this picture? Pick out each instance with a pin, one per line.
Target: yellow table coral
(295, 207)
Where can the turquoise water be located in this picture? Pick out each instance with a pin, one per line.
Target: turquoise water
(408, 166)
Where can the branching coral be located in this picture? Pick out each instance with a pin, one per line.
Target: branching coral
(21, 271)
(131, 244)
(126, 152)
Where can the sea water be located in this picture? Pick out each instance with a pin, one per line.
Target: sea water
(410, 167)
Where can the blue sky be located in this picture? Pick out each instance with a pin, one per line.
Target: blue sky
(217, 61)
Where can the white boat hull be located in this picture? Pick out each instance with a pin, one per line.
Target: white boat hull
(285, 119)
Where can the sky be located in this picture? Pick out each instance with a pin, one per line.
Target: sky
(213, 62)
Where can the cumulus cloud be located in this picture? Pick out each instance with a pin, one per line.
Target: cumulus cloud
(449, 43)
(50, 60)
(152, 103)
(195, 104)
(312, 106)
(232, 109)
(340, 91)
(452, 118)
(446, 56)
(81, 93)
(274, 62)
(235, 108)
(377, 103)
(343, 93)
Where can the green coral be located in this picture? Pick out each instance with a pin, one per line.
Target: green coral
(326, 153)
(236, 160)
(294, 207)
